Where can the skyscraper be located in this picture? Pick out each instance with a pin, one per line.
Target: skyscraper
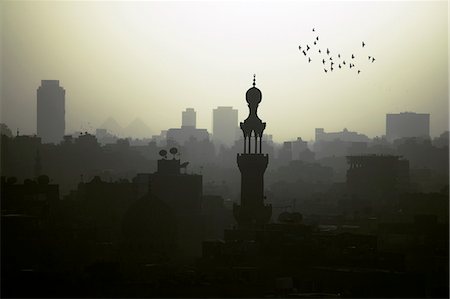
(407, 124)
(189, 118)
(225, 123)
(51, 111)
(252, 164)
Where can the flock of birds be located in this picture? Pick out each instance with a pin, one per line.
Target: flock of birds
(328, 61)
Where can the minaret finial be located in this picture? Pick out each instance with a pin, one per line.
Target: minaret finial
(254, 80)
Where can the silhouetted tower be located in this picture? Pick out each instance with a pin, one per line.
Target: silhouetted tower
(252, 164)
(188, 118)
(51, 111)
(225, 125)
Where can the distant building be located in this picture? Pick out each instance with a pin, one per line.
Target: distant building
(182, 193)
(345, 135)
(184, 134)
(189, 118)
(104, 137)
(338, 143)
(188, 130)
(285, 152)
(291, 150)
(51, 111)
(407, 124)
(225, 123)
(377, 174)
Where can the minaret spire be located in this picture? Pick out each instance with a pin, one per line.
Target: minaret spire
(253, 127)
(252, 211)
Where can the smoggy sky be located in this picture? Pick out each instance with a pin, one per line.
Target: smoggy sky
(152, 60)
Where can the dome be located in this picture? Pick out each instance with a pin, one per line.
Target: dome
(253, 96)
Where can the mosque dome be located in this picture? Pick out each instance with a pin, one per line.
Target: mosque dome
(253, 95)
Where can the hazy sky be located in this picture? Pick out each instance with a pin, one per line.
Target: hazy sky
(153, 59)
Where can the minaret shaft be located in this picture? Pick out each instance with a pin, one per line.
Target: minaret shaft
(252, 211)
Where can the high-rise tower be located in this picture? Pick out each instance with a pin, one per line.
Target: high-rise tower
(407, 124)
(252, 165)
(225, 126)
(51, 111)
(189, 118)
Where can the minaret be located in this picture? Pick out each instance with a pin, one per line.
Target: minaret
(252, 164)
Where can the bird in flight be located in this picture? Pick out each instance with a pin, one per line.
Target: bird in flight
(338, 62)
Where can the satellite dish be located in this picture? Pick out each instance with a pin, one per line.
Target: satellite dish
(173, 151)
(162, 153)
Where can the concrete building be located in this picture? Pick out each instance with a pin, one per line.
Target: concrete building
(188, 130)
(225, 123)
(184, 134)
(182, 193)
(345, 135)
(189, 118)
(407, 124)
(51, 111)
(377, 174)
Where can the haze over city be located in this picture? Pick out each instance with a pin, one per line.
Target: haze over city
(224, 149)
(151, 60)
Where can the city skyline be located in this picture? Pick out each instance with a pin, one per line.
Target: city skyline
(141, 60)
(97, 216)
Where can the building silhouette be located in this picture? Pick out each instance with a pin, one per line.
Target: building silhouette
(188, 130)
(252, 165)
(407, 124)
(225, 121)
(189, 118)
(285, 153)
(182, 193)
(345, 135)
(371, 174)
(51, 111)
